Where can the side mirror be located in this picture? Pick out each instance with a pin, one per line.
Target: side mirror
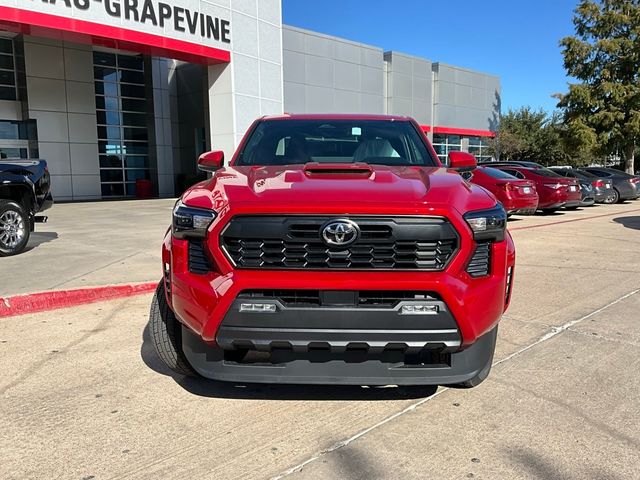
(211, 161)
(462, 161)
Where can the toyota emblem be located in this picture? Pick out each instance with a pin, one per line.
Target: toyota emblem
(340, 233)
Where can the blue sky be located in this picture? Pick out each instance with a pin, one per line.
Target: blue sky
(516, 40)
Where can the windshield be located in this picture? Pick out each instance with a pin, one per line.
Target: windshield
(495, 173)
(290, 142)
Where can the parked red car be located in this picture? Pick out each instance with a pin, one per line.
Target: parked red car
(554, 191)
(516, 195)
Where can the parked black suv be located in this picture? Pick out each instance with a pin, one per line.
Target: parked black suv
(25, 190)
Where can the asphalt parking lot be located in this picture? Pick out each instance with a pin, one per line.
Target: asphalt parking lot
(83, 396)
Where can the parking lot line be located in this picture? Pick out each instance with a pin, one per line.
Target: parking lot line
(554, 331)
(528, 227)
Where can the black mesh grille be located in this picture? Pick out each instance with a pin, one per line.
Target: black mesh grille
(296, 243)
(198, 260)
(481, 260)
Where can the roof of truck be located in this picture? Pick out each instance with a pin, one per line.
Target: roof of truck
(334, 116)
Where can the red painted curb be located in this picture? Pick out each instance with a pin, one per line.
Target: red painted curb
(43, 301)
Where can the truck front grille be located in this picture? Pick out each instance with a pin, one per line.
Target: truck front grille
(400, 243)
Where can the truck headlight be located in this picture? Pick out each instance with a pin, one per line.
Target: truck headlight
(488, 225)
(191, 222)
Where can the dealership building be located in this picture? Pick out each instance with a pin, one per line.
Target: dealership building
(111, 92)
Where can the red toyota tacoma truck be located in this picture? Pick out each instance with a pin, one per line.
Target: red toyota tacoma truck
(334, 249)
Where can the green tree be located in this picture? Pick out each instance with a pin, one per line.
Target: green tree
(602, 112)
(527, 134)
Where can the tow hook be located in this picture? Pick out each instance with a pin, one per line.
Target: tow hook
(41, 219)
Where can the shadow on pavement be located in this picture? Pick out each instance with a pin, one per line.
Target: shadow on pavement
(258, 391)
(629, 222)
(38, 238)
(550, 213)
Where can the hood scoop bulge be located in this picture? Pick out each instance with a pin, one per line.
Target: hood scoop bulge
(338, 170)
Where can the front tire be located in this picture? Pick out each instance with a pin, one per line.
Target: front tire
(166, 335)
(15, 228)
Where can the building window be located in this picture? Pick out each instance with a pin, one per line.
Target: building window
(8, 90)
(123, 132)
(444, 144)
(18, 139)
(478, 146)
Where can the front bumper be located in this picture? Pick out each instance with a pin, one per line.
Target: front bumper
(328, 346)
(347, 368)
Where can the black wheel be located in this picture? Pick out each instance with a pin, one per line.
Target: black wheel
(166, 334)
(15, 228)
(615, 198)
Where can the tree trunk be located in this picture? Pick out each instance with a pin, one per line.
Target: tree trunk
(629, 153)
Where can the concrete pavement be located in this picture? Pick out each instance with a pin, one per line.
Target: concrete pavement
(91, 244)
(83, 395)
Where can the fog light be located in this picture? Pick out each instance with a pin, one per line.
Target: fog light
(419, 310)
(258, 307)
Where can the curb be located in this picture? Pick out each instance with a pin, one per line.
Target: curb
(45, 301)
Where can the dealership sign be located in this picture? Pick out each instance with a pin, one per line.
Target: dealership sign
(183, 29)
(150, 12)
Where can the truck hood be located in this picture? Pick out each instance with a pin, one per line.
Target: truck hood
(343, 188)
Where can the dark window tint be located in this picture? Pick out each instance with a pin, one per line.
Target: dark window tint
(6, 46)
(136, 134)
(130, 62)
(600, 173)
(288, 142)
(7, 93)
(495, 173)
(133, 175)
(7, 78)
(111, 175)
(545, 172)
(136, 162)
(113, 161)
(586, 174)
(515, 173)
(133, 105)
(112, 190)
(104, 59)
(129, 76)
(134, 119)
(135, 91)
(6, 62)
